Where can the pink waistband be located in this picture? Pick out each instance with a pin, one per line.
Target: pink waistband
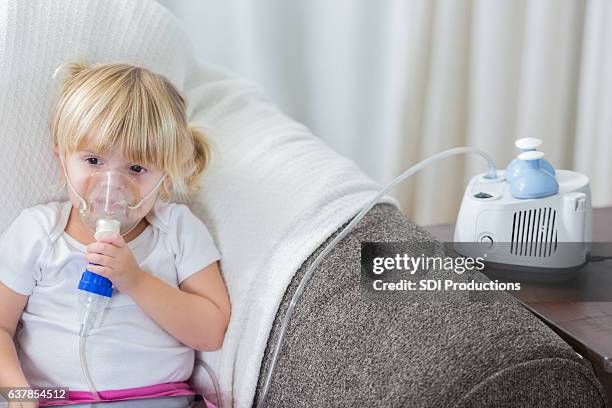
(151, 391)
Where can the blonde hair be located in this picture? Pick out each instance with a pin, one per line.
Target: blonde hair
(140, 110)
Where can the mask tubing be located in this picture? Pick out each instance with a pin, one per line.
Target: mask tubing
(491, 174)
(213, 377)
(149, 194)
(85, 369)
(79, 196)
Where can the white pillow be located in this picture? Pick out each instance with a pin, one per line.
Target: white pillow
(274, 191)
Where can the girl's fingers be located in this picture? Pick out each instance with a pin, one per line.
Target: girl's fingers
(112, 238)
(99, 259)
(102, 248)
(100, 270)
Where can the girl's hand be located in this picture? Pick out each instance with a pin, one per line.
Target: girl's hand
(115, 261)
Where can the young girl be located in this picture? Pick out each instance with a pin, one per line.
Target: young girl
(168, 298)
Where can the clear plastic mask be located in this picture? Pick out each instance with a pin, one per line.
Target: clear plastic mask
(111, 201)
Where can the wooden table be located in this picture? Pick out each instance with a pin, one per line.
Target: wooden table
(584, 324)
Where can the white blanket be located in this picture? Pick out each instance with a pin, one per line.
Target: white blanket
(274, 192)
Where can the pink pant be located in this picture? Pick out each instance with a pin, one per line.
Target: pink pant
(151, 391)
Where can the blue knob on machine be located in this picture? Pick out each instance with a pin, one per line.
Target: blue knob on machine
(533, 181)
(526, 144)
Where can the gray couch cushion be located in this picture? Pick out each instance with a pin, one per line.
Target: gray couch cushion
(342, 350)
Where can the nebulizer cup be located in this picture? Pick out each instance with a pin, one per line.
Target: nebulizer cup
(107, 206)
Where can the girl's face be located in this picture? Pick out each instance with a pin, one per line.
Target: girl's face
(82, 163)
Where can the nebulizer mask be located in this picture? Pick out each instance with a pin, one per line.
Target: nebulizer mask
(110, 202)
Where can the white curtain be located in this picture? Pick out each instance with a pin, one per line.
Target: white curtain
(390, 82)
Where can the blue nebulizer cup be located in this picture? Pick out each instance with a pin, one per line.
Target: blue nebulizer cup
(516, 166)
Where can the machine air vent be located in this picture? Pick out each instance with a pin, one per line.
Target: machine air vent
(534, 232)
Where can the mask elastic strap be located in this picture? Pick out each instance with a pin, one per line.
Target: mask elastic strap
(149, 194)
(83, 201)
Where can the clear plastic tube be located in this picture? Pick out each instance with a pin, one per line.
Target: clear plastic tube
(83, 354)
(91, 308)
(491, 173)
(212, 375)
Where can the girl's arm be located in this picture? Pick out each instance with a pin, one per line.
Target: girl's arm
(11, 307)
(197, 314)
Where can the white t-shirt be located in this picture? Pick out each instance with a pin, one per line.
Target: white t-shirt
(38, 258)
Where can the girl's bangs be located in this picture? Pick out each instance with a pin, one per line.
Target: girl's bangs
(140, 137)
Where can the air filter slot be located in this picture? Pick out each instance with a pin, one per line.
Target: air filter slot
(534, 232)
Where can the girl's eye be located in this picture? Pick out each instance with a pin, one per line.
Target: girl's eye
(92, 160)
(137, 169)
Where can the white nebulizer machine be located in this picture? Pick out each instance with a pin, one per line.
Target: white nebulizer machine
(531, 221)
